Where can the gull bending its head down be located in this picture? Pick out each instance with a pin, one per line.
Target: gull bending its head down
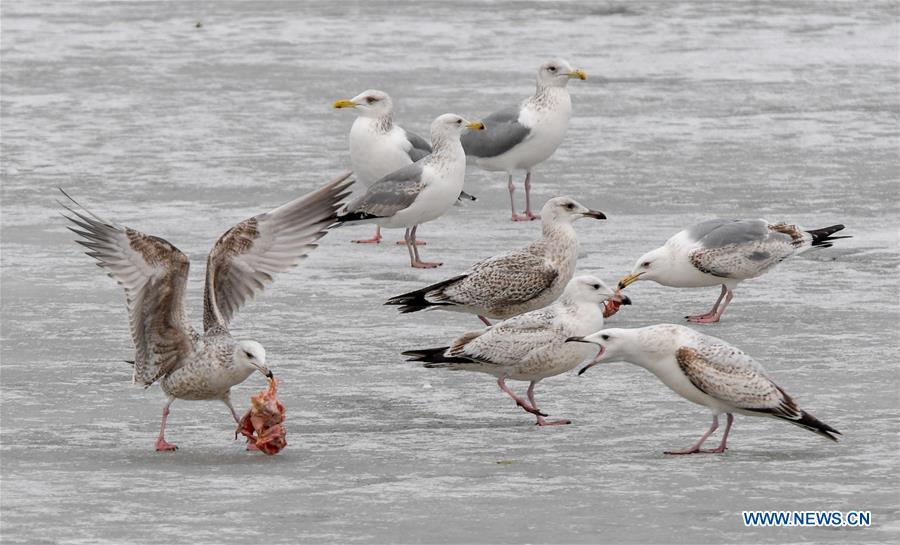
(153, 272)
(725, 252)
(705, 370)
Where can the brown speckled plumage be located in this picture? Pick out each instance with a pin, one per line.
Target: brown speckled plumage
(154, 275)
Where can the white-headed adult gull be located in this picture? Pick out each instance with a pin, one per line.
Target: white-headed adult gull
(726, 252)
(520, 137)
(707, 371)
(419, 192)
(154, 273)
(514, 282)
(531, 346)
(378, 146)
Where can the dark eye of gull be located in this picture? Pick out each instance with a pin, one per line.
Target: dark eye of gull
(570, 206)
(248, 354)
(371, 99)
(645, 264)
(604, 337)
(551, 68)
(596, 286)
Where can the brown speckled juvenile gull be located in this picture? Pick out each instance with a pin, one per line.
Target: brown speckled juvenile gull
(724, 251)
(531, 346)
(154, 273)
(520, 137)
(519, 281)
(707, 371)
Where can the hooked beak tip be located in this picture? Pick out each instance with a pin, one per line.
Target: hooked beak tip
(269, 374)
(596, 214)
(626, 300)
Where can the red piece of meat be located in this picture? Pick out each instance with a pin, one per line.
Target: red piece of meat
(263, 425)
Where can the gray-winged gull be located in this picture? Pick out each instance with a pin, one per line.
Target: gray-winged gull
(378, 146)
(520, 137)
(514, 282)
(725, 251)
(419, 192)
(154, 273)
(706, 371)
(531, 346)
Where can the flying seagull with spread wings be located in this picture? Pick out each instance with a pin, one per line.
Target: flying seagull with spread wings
(153, 272)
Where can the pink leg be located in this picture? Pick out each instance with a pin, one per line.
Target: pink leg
(696, 448)
(512, 201)
(418, 263)
(716, 312)
(485, 320)
(161, 443)
(418, 242)
(374, 240)
(540, 419)
(528, 213)
(227, 401)
(519, 401)
(721, 448)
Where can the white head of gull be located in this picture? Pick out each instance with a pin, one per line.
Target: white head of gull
(515, 282)
(706, 371)
(531, 346)
(522, 136)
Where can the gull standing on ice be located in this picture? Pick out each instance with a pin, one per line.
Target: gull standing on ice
(520, 137)
(419, 192)
(515, 282)
(377, 145)
(531, 346)
(190, 365)
(725, 251)
(707, 371)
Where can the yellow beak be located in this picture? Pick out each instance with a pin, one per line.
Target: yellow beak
(344, 104)
(629, 280)
(476, 126)
(580, 74)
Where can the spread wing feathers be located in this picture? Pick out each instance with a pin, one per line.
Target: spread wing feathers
(729, 375)
(512, 341)
(502, 132)
(248, 255)
(502, 281)
(746, 256)
(154, 274)
(418, 146)
(387, 196)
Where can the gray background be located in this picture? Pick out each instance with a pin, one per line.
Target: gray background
(787, 111)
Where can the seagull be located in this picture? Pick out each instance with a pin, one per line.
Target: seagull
(726, 252)
(520, 137)
(154, 273)
(515, 282)
(378, 147)
(705, 370)
(531, 346)
(419, 192)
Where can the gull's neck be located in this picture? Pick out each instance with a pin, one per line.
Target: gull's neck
(383, 124)
(548, 96)
(445, 148)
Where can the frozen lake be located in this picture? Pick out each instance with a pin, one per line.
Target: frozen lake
(787, 111)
